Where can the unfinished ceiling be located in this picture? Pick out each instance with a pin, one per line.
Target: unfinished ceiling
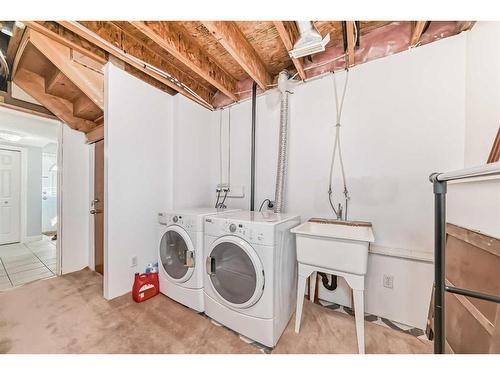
(215, 62)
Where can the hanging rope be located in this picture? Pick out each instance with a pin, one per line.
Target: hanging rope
(339, 212)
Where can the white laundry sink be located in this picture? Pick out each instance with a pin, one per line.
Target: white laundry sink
(334, 244)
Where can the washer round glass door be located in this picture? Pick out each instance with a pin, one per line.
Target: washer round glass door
(235, 272)
(176, 254)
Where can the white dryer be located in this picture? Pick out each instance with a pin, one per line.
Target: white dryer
(251, 272)
(180, 255)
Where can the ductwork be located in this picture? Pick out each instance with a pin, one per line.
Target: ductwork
(283, 138)
(309, 42)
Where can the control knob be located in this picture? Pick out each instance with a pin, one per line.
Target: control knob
(232, 228)
(175, 219)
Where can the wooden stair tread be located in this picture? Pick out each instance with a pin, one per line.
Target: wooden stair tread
(47, 71)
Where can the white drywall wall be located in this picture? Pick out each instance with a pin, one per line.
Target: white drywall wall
(192, 154)
(482, 91)
(137, 171)
(403, 118)
(475, 204)
(75, 200)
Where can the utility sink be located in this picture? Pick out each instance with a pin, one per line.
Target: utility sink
(334, 244)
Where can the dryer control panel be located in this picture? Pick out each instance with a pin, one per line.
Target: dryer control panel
(256, 234)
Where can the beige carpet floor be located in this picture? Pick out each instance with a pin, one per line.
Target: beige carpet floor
(69, 315)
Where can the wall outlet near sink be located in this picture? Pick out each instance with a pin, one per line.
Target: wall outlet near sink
(388, 281)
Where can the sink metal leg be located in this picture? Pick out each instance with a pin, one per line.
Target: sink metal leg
(359, 310)
(301, 288)
(312, 286)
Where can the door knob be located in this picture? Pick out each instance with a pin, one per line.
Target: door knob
(93, 212)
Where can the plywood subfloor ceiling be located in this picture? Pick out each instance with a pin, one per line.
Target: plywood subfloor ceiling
(215, 62)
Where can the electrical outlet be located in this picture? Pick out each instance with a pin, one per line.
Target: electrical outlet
(133, 261)
(388, 281)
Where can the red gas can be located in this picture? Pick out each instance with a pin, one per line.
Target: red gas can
(146, 285)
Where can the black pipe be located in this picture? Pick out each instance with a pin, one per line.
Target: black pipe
(326, 283)
(344, 35)
(439, 262)
(252, 165)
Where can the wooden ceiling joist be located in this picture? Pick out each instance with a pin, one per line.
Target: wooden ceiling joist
(134, 40)
(175, 41)
(418, 28)
(464, 25)
(289, 34)
(95, 134)
(99, 36)
(235, 43)
(351, 42)
(210, 61)
(69, 39)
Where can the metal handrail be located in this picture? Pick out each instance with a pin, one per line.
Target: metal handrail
(480, 171)
(439, 181)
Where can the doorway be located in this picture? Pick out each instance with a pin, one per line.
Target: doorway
(29, 198)
(97, 209)
(49, 190)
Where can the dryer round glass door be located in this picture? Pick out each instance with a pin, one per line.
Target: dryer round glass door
(177, 254)
(235, 272)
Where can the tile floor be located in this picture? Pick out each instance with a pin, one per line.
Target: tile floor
(22, 263)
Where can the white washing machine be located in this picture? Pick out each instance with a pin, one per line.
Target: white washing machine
(251, 272)
(180, 255)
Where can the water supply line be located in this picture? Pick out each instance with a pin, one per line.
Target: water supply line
(340, 212)
(283, 138)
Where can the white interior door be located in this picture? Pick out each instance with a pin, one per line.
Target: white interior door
(10, 196)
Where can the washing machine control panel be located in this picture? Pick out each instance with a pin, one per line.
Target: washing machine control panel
(186, 222)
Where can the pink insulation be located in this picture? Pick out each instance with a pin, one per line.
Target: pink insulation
(244, 89)
(383, 41)
(439, 30)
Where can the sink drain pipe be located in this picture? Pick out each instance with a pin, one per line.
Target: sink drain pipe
(326, 283)
(283, 138)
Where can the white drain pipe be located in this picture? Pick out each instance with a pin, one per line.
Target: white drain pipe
(283, 138)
